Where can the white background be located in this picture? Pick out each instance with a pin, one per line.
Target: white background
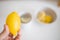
(33, 30)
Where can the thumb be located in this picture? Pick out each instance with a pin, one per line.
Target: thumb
(18, 36)
(5, 32)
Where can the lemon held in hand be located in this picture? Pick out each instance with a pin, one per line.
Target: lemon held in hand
(13, 21)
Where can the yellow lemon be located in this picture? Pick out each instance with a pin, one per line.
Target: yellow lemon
(13, 21)
(43, 17)
(41, 14)
(48, 19)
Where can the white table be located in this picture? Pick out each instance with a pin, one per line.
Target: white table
(33, 30)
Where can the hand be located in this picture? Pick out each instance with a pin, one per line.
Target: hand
(5, 35)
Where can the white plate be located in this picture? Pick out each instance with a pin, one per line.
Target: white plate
(33, 30)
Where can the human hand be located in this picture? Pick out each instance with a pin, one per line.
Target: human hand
(5, 35)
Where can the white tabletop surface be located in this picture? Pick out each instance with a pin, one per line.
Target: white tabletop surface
(33, 30)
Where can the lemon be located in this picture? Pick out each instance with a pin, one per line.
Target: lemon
(48, 19)
(13, 21)
(41, 14)
(43, 17)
